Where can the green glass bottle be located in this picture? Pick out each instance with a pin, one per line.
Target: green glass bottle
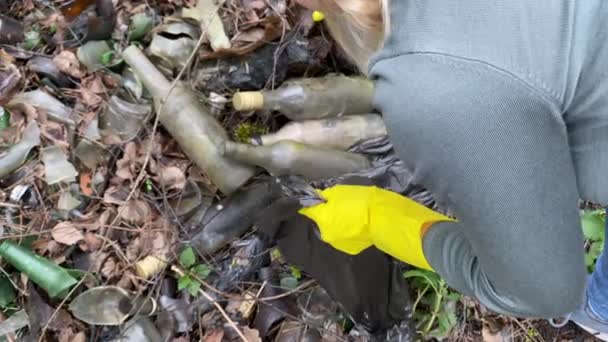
(55, 280)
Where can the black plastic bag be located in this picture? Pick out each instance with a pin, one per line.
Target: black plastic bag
(370, 286)
(387, 172)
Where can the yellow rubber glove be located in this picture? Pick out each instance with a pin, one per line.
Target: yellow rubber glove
(356, 217)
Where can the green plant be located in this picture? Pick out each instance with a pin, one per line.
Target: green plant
(593, 223)
(291, 281)
(532, 335)
(245, 131)
(5, 118)
(195, 272)
(32, 39)
(295, 272)
(7, 292)
(107, 57)
(275, 254)
(53, 28)
(148, 186)
(435, 304)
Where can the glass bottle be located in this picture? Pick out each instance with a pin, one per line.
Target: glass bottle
(198, 133)
(293, 158)
(336, 133)
(312, 98)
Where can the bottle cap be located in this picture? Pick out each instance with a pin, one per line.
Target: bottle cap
(248, 100)
(318, 16)
(149, 266)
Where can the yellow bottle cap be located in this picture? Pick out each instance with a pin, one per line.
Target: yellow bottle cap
(248, 100)
(149, 266)
(318, 16)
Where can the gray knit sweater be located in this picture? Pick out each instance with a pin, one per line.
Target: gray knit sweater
(500, 108)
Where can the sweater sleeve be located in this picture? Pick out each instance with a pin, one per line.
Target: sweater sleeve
(496, 152)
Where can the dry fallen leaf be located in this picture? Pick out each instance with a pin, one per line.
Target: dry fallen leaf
(130, 154)
(252, 335)
(109, 268)
(214, 336)
(172, 178)
(128, 281)
(155, 242)
(10, 77)
(125, 165)
(85, 184)
(234, 302)
(43, 246)
(66, 335)
(101, 221)
(90, 243)
(273, 28)
(92, 91)
(250, 36)
(66, 233)
(242, 304)
(124, 173)
(89, 98)
(61, 321)
(80, 337)
(6, 58)
(97, 260)
(115, 195)
(133, 249)
(135, 211)
(55, 132)
(97, 86)
(68, 63)
(499, 336)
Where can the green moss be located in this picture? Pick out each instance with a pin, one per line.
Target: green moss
(244, 132)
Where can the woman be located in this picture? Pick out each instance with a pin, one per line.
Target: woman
(500, 108)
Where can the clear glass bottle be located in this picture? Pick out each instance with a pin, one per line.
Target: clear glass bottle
(312, 98)
(198, 133)
(336, 133)
(293, 158)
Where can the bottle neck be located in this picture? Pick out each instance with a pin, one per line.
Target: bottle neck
(289, 98)
(154, 81)
(253, 155)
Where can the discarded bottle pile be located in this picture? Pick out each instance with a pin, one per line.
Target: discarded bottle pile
(325, 146)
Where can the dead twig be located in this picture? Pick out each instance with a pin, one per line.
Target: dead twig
(288, 293)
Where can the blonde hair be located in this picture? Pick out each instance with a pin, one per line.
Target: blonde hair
(358, 26)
